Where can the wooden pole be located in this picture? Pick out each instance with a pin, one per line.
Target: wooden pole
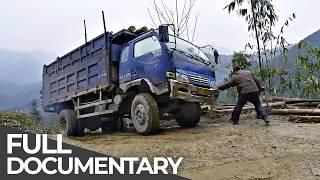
(289, 100)
(314, 112)
(231, 108)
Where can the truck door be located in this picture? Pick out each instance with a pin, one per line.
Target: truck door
(146, 61)
(125, 70)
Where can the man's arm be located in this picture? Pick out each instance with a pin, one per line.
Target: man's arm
(228, 84)
(257, 82)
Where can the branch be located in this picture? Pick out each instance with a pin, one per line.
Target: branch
(155, 25)
(166, 9)
(194, 28)
(155, 6)
(177, 13)
(185, 19)
(183, 11)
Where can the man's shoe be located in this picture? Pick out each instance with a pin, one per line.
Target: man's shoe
(267, 122)
(236, 123)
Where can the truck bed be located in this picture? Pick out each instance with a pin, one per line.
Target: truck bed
(83, 70)
(80, 71)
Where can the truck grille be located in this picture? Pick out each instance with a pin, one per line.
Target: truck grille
(199, 79)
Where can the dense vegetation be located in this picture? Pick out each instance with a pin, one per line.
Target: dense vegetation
(284, 70)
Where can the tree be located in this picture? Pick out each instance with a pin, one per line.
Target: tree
(307, 77)
(185, 23)
(35, 113)
(261, 18)
(258, 14)
(241, 59)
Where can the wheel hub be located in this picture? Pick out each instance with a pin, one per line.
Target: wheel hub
(140, 114)
(63, 126)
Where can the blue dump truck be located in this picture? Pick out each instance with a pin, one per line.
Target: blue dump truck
(134, 74)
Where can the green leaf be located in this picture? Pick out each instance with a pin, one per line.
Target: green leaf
(300, 45)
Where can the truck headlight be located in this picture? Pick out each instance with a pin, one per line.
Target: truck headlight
(212, 84)
(182, 78)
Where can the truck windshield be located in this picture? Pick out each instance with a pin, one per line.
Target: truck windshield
(185, 48)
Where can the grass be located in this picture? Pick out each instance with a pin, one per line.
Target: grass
(25, 122)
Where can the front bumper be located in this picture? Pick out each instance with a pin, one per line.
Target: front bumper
(191, 93)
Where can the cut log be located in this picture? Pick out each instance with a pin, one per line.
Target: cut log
(230, 109)
(279, 98)
(227, 105)
(304, 119)
(307, 104)
(275, 104)
(289, 100)
(293, 101)
(313, 112)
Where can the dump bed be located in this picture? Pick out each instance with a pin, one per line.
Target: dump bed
(82, 70)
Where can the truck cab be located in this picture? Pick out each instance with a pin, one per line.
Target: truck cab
(175, 71)
(177, 64)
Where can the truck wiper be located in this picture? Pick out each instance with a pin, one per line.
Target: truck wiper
(204, 61)
(182, 52)
(197, 58)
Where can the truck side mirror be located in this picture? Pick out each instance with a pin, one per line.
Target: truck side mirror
(163, 33)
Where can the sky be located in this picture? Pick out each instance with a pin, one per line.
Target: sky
(57, 25)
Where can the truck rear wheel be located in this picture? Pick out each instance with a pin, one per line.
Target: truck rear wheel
(69, 125)
(145, 114)
(188, 115)
(92, 123)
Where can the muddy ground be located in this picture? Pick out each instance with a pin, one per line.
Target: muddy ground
(216, 149)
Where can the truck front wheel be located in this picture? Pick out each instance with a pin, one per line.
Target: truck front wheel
(69, 125)
(145, 114)
(188, 115)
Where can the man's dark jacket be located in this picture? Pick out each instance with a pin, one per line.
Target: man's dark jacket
(245, 82)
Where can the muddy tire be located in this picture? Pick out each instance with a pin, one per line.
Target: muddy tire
(111, 124)
(188, 115)
(69, 125)
(145, 114)
(93, 123)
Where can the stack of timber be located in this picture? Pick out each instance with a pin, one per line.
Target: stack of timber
(298, 110)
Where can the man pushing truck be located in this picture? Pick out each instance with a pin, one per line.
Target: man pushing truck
(248, 90)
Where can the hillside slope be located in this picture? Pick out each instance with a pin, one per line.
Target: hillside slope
(20, 67)
(20, 77)
(21, 99)
(294, 52)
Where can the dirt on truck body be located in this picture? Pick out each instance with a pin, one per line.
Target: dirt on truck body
(216, 149)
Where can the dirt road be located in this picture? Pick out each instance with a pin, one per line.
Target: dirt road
(218, 150)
